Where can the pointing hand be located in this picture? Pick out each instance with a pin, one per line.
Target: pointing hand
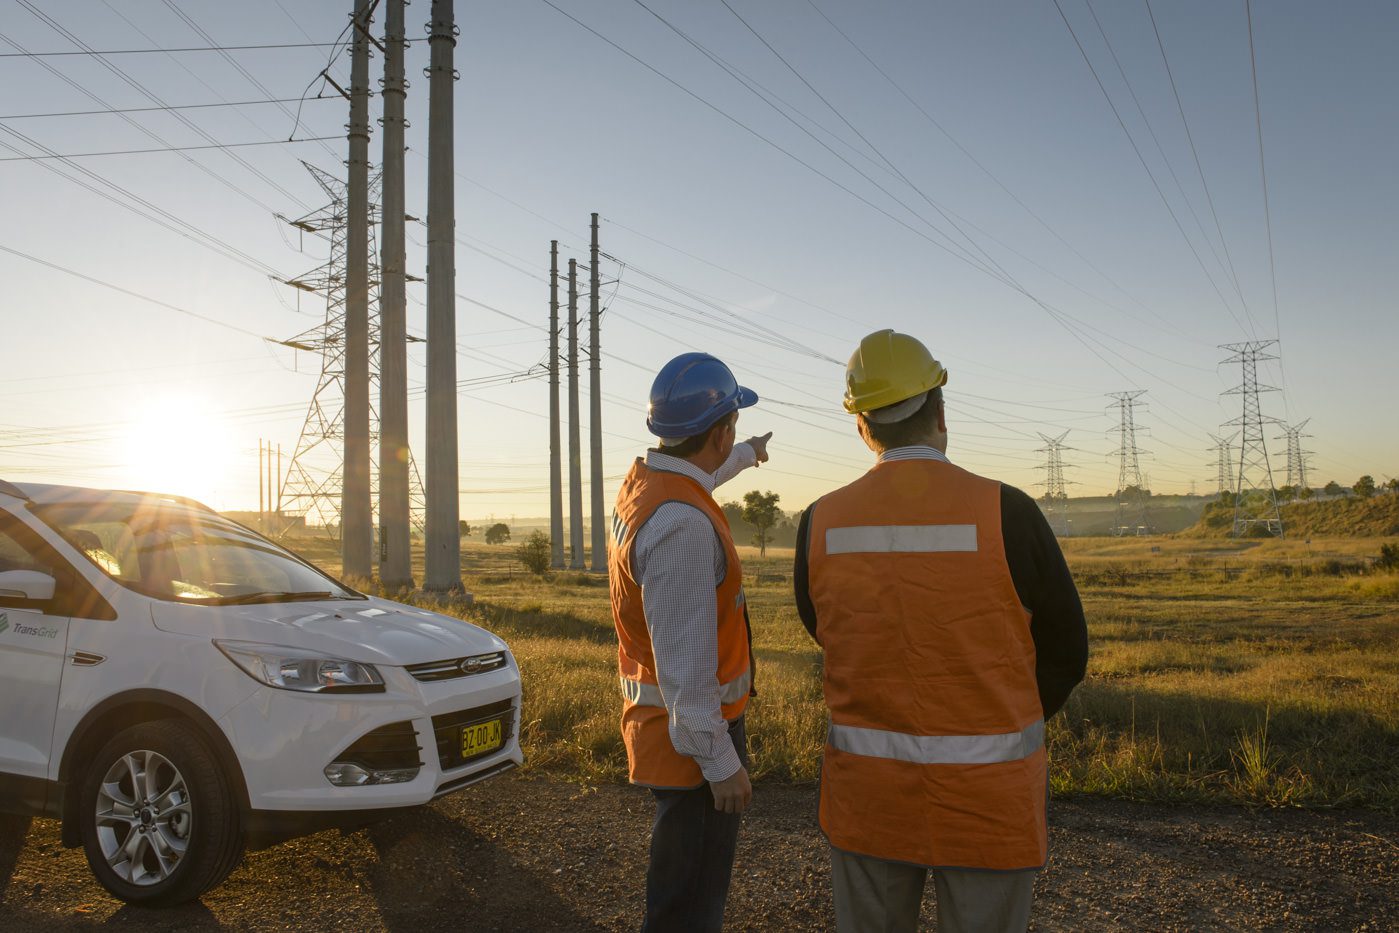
(760, 446)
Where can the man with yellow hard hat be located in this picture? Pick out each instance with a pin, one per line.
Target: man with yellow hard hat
(952, 630)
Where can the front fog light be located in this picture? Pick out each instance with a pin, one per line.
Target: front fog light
(349, 774)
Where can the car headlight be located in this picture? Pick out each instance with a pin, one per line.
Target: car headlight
(297, 669)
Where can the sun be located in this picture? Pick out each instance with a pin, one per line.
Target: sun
(178, 445)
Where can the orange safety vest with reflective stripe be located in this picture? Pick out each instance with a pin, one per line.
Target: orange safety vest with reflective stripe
(935, 754)
(652, 759)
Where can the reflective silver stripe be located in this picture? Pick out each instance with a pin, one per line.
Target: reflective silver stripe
(736, 689)
(641, 694)
(938, 749)
(900, 539)
(650, 695)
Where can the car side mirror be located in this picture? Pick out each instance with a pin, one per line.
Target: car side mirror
(26, 584)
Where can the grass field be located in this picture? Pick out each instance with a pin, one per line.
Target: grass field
(1258, 672)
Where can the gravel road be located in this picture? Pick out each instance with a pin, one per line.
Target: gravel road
(533, 854)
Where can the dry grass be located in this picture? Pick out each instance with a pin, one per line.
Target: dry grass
(1264, 672)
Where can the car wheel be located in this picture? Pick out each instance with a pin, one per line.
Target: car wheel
(160, 824)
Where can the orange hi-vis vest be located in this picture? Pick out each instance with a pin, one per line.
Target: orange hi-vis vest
(652, 759)
(935, 754)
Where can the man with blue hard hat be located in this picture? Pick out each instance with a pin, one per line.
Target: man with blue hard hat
(685, 651)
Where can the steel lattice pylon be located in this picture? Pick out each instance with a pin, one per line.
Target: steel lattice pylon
(1055, 499)
(1131, 496)
(1296, 456)
(311, 485)
(1255, 497)
(1223, 462)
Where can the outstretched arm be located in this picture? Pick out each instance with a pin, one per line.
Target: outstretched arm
(745, 454)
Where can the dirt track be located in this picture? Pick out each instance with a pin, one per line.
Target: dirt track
(527, 855)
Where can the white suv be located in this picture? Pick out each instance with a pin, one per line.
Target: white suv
(177, 687)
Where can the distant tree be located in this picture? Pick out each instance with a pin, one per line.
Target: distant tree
(498, 533)
(1132, 492)
(1287, 492)
(533, 552)
(463, 529)
(1389, 557)
(1332, 488)
(1365, 486)
(1393, 484)
(760, 510)
(1305, 492)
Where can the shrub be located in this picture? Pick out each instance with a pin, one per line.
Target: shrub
(533, 552)
(1389, 557)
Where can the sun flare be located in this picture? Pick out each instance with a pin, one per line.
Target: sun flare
(177, 446)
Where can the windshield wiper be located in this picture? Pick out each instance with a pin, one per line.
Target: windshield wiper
(266, 596)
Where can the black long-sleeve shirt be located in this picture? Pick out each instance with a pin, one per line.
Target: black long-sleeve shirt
(1042, 581)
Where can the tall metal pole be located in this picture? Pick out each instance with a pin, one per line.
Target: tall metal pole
(443, 567)
(595, 414)
(356, 522)
(259, 479)
(279, 481)
(395, 564)
(555, 460)
(575, 457)
(269, 485)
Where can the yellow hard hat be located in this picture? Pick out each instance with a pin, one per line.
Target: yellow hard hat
(888, 368)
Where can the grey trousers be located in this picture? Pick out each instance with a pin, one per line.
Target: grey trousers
(875, 896)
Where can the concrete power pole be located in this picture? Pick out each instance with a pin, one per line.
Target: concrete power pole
(395, 559)
(443, 569)
(595, 413)
(555, 461)
(356, 509)
(575, 457)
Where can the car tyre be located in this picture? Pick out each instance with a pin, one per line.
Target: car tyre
(159, 821)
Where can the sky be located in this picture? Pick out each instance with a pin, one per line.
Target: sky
(774, 180)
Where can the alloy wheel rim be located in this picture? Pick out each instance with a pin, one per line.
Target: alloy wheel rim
(144, 817)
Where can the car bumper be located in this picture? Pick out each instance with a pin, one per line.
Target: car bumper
(284, 741)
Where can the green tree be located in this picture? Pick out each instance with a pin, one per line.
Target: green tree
(1365, 486)
(1332, 488)
(1287, 492)
(533, 552)
(1393, 484)
(463, 529)
(498, 533)
(760, 510)
(1305, 492)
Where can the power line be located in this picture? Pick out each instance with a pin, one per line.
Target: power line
(1263, 174)
(1190, 138)
(113, 152)
(1142, 159)
(126, 291)
(116, 110)
(200, 48)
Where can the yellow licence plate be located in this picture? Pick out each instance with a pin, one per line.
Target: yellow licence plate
(480, 737)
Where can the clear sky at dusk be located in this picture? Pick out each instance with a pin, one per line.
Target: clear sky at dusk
(771, 213)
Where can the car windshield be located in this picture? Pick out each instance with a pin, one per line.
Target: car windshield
(173, 552)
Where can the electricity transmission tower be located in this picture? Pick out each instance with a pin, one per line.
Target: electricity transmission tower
(1131, 496)
(1296, 456)
(1224, 464)
(311, 486)
(1255, 497)
(1056, 500)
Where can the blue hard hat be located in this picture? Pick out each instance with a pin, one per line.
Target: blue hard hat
(690, 393)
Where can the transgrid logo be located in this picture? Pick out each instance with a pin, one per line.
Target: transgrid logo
(4, 622)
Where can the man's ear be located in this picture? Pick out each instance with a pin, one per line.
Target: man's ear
(942, 416)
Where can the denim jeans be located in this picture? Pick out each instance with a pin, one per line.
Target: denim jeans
(692, 856)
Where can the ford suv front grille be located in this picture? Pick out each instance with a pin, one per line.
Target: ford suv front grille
(385, 748)
(458, 667)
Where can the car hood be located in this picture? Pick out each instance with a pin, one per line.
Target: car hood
(375, 631)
